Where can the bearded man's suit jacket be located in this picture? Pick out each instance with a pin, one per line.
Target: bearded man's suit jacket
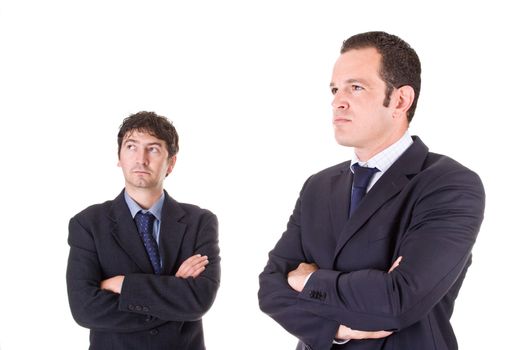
(154, 312)
(426, 208)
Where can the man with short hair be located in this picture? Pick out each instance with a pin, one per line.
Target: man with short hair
(377, 247)
(143, 268)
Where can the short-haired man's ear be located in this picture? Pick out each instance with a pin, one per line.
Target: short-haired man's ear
(404, 98)
(171, 164)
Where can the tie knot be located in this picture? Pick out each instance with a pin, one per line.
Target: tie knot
(144, 221)
(362, 175)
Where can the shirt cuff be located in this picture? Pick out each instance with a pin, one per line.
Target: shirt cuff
(307, 278)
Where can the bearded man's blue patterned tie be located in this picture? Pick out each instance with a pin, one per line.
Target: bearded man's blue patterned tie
(144, 223)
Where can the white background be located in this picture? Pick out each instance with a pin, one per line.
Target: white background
(246, 84)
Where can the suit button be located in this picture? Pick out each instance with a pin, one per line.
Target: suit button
(154, 332)
(149, 319)
(138, 308)
(131, 307)
(145, 309)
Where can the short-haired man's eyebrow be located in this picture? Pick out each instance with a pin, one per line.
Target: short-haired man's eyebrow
(352, 81)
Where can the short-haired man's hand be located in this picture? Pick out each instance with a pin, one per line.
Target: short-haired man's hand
(346, 333)
(193, 266)
(297, 278)
(395, 264)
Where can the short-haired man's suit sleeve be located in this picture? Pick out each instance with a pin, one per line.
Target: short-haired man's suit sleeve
(152, 311)
(426, 207)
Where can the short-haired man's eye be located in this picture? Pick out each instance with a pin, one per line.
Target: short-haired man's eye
(333, 90)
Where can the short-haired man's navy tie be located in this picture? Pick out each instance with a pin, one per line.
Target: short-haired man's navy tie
(362, 176)
(144, 223)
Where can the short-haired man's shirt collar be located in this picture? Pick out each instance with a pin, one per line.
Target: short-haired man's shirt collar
(384, 159)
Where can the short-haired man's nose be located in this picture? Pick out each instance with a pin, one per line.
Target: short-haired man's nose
(339, 103)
